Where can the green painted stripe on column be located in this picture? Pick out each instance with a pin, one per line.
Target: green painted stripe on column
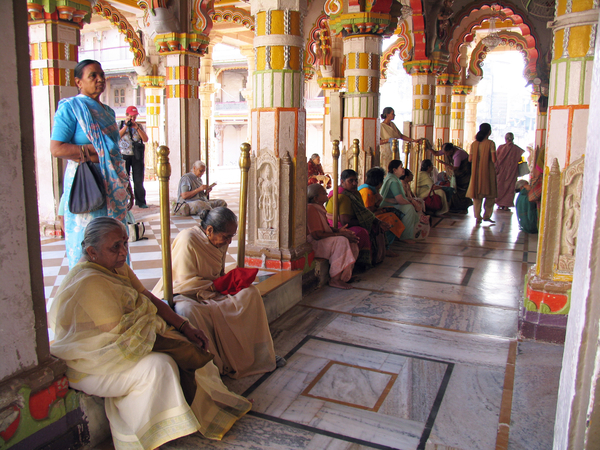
(582, 81)
(567, 79)
(555, 83)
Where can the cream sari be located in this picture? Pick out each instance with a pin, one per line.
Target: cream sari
(105, 330)
(236, 325)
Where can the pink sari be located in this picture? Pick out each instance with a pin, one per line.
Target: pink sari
(337, 249)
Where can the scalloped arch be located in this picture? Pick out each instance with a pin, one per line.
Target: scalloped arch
(403, 44)
(107, 11)
(463, 32)
(233, 15)
(511, 39)
(322, 23)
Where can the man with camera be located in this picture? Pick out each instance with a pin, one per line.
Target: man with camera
(132, 148)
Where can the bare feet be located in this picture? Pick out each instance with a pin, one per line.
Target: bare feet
(339, 284)
(391, 254)
(489, 220)
(478, 220)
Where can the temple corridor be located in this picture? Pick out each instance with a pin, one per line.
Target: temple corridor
(423, 353)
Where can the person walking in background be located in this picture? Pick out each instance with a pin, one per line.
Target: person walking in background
(508, 156)
(133, 138)
(483, 174)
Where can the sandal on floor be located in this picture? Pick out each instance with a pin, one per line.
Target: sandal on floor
(280, 361)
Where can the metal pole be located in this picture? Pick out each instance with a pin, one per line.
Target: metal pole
(244, 168)
(355, 153)
(163, 169)
(335, 153)
(206, 153)
(395, 149)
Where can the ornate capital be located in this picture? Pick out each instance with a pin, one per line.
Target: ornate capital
(426, 66)
(150, 81)
(67, 10)
(462, 90)
(363, 23)
(332, 83)
(181, 42)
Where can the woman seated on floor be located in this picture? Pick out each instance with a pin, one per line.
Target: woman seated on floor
(236, 325)
(426, 185)
(372, 200)
(336, 245)
(353, 213)
(120, 342)
(527, 213)
(393, 195)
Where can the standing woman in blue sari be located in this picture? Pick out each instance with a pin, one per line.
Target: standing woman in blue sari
(85, 129)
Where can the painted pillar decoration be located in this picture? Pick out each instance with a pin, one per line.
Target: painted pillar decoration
(54, 39)
(362, 27)
(207, 89)
(326, 54)
(443, 104)
(182, 43)
(248, 52)
(459, 103)
(548, 285)
(276, 236)
(471, 125)
(154, 86)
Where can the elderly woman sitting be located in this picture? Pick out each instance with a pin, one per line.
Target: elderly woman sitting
(236, 325)
(119, 342)
(336, 245)
(316, 173)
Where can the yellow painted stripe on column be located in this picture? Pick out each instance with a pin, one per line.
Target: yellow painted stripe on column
(417, 103)
(277, 58)
(261, 53)
(582, 5)
(351, 83)
(295, 23)
(425, 103)
(417, 89)
(261, 19)
(561, 7)
(579, 41)
(559, 36)
(295, 62)
(351, 58)
(277, 23)
(363, 84)
(425, 89)
(363, 60)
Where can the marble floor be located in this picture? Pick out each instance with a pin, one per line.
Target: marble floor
(423, 353)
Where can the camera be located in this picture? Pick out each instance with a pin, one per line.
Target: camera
(129, 123)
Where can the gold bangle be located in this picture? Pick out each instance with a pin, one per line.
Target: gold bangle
(82, 157)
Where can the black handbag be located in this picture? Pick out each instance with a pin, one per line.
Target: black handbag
(87, 193)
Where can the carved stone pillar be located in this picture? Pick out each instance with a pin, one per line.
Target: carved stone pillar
(547, 298)
(183, 113)
(471, 125)
(206, 90)
(54, 38)
(443, 104)
(459, 103)
(276, 237)
(154, 86)
(361, 105)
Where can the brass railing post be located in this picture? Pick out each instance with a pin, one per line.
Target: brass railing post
(406, 154)
(395, 150)
(355, 153)
(163, 170)
(244, 168)
(335, 153)
(206, 153)
(417, 168)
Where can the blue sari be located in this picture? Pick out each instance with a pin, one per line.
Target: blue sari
(99, 126)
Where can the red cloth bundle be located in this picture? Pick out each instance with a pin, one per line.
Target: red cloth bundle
(234, 281)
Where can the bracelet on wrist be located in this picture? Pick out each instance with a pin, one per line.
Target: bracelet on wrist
(180, 328)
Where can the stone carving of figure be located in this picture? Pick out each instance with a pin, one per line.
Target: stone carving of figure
(267, 197)
(438, 24)
(573, 208)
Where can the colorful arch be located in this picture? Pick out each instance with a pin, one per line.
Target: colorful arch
(469, 21)
(233, 15)
(115, 17)
(314, 39)
(403, 45)
(512, 39)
